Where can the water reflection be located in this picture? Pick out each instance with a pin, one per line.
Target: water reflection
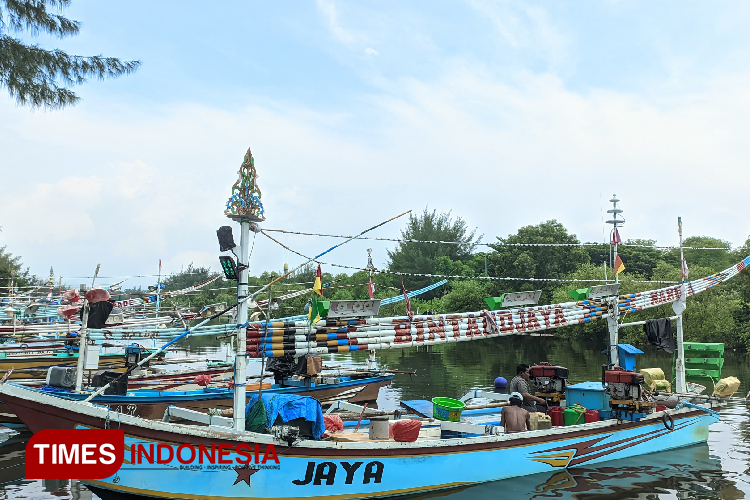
(687, 473)
(718, 470)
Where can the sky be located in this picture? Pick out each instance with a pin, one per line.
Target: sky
(504, 113)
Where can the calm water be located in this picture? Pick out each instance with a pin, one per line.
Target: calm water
(718, 470)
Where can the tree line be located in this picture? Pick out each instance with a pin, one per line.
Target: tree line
(718, 315)
(721, 314)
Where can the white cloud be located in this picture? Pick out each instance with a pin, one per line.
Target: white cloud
(328, 9)
(500, 150)
(371, 51)
(133, 177)
(47, 214)
(526, 28)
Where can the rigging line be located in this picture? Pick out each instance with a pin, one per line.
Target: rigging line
(499, 244)
(279, 292)
(327, 251)
(562, 280)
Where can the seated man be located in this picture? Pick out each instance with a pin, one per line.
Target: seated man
(513, 417)
(520, 384)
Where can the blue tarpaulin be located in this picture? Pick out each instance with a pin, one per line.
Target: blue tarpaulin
(289, 407)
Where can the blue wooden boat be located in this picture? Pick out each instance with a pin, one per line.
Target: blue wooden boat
(353, 469)
(151, 404)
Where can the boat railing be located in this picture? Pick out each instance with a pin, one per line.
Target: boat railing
(210, 418)
(486, 395)
(346, 406)
(463, 427)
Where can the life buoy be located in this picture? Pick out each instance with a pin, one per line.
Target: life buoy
(668, 421)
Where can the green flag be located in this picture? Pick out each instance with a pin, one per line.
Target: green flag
(313, 315)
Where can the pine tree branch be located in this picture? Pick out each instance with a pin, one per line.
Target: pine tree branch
(32, 15)
(30, 73)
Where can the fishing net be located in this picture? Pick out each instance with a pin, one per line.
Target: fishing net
(405, 430)
(333, 423)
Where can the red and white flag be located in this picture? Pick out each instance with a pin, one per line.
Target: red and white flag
(371, 289)
(616, 237)
(406, 298)
(685, 270)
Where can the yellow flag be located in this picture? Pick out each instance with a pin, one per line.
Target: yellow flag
(619, 266)
(318, 285)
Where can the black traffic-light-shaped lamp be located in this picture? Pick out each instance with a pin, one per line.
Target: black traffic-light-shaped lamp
(228, 266)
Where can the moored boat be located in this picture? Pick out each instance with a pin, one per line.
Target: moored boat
(151, 404)
(341, 469)
(445, 454)
(24, 363)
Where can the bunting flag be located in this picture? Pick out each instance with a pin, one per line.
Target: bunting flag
(371, 289)
(616, 237)
(619, 266)
(406, 298)
(313, 316)
(685, 270)
(318, 285)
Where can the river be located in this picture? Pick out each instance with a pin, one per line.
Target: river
(718, 470)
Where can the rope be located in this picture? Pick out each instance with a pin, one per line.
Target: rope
(491, 245)
(399, 273)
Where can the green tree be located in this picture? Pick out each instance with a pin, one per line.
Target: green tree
(636, 259)
(540, 262)
(465, 296)
(420, 258)
(38, 77)
(715, 260)
(11, 266)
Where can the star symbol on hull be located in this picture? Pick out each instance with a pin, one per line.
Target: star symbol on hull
(244, 473)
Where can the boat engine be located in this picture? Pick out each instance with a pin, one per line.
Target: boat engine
(550, 381)
(624, 389)
(133, 355)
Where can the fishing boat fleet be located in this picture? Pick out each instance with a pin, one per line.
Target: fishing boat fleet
(353, 450)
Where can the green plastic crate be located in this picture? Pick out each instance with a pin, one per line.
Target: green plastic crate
(703, 360)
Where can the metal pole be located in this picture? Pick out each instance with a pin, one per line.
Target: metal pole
(604, 265)
(678, 307)
(82, 336)
(614, 317)
(240, 358)
(158, 291)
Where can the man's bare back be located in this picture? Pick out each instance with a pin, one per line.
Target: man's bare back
(515, 419)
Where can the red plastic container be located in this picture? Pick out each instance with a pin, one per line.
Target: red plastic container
(661, 408)
(592, 416)
(556, 415)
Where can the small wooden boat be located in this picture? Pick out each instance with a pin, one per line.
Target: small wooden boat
(24, 363)
(31, 348)
(151, 404)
